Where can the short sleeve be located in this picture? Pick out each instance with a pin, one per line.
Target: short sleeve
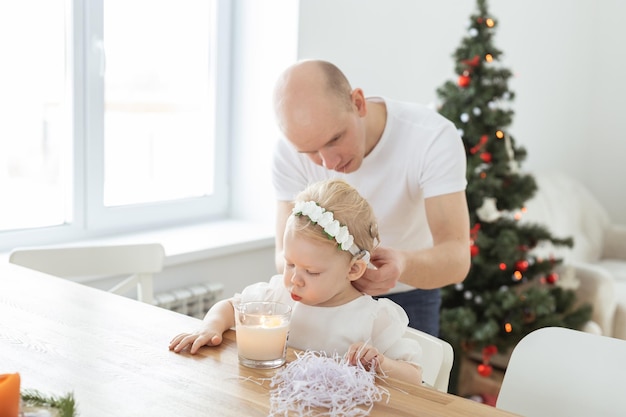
(274, 290)
(390, 325)
(445, 163)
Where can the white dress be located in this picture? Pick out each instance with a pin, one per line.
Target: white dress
(381, 323)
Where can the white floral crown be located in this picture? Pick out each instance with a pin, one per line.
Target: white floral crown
(332, 227)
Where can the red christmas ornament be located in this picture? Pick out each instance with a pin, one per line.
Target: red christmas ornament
(489, 351)
(486, 157)
(484, 369)
(472, 62)
(483, 140)
(464, 81)
(552, 278)
(474, 250)
(521, 265)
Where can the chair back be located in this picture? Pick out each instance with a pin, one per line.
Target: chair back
(437, 358)
(556, 371)
(140, 261)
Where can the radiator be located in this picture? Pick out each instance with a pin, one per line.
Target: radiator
(193, 301)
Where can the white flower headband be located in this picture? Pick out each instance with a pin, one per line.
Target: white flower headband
(332, 228)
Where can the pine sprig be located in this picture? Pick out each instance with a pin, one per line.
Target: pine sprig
(66, 405)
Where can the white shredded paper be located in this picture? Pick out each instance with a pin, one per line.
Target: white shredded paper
(316, 381)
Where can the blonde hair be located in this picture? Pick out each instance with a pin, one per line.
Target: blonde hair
(349, 208)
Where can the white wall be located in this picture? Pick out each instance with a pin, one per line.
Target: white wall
(568, 59)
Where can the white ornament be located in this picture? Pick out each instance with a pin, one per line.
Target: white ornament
(461, 132)
(476, 111)
(473, 32)
(464, 117)
(492, 105)
(488, 212)
(480, 168)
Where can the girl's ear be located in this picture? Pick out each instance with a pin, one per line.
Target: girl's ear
(357, 269)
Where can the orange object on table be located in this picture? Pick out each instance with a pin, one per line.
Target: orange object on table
(9, 395)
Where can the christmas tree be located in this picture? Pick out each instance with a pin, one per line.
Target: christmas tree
(509, 291)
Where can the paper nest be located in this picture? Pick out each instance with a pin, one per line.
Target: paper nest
(315, 381)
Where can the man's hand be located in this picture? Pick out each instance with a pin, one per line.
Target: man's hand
(390, 264)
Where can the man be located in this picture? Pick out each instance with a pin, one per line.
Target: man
(405, 159)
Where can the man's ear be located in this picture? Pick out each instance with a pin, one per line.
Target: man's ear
(359, 102)
(357, 269)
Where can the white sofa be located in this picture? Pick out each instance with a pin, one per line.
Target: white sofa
(598, 257)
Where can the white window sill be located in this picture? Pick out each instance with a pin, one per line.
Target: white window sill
(192, 243)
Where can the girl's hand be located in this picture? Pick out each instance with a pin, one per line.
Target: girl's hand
(366, 354)
(196, 340)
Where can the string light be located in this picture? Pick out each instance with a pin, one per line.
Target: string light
(517, 276)
(490, 22)
(489, 58)
(499, 134)
(508, 327)
(502, 266)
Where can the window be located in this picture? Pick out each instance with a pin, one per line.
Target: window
(33, 103)
(110, 116)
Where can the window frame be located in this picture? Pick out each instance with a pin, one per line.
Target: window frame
(88, 216)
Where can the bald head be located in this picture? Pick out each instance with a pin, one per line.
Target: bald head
(308, 86)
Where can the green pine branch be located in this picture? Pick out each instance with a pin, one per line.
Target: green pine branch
(66, 404)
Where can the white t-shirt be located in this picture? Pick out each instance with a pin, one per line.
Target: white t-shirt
(380, 323)
(419, 155)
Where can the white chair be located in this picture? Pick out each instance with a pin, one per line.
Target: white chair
(437, 358)
(139, 261)
(556, 371)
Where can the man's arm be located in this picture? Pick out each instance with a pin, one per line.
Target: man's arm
(447, 262)
(283, 210)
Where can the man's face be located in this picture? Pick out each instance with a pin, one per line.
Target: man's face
(331, 136)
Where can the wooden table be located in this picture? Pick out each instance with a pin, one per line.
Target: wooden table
(112, 352)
